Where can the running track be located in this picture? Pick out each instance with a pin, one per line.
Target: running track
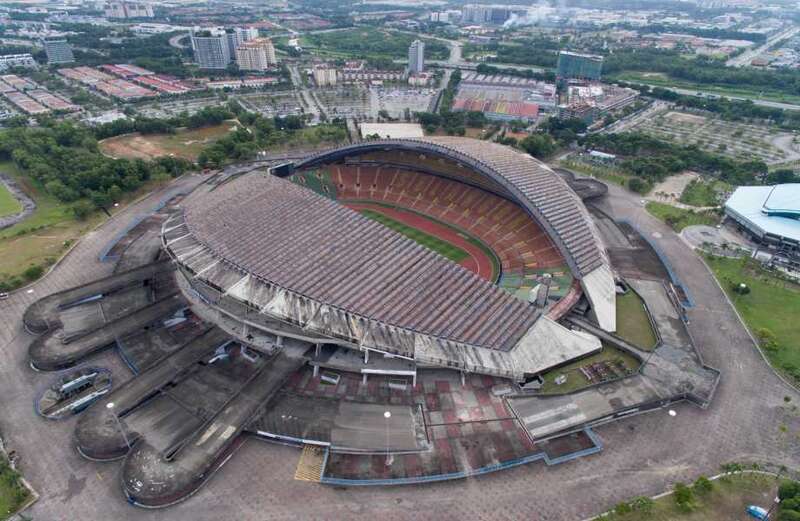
(477, 261)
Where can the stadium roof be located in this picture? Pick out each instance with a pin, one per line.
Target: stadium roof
(291, 254)
(290, 236)
(770, 209)
(536, 188)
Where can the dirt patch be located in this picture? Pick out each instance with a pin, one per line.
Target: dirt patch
(682, 117)
(671, 188)
(184, 143)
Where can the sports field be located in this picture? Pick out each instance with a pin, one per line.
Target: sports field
(8, 203)
(437, 236)
(454, 253)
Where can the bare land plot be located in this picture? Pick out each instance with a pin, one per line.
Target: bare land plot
(184, 143)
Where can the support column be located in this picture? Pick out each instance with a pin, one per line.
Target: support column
(363, 378)
(366, 356)
(463, 379)
(317, 351)
(414, 379)
(316, 370)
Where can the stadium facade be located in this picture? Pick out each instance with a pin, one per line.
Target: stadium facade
(279, 260)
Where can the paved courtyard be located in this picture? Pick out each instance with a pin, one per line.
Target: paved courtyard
(643, 454)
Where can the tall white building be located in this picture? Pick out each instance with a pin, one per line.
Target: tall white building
(324, 75)
(256, 55)
(211, 48)
(245, 34)
(416, 57)
(129, 10)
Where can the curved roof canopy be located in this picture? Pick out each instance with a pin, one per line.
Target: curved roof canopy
(292, 254)
(533, 185)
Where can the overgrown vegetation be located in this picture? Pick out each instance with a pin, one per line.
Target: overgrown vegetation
(12, 493)
(770, 309)
(704, 500)
(368, 42)
(65, 160)
(700, 193)
(702, 70)
(651, 160)
(261, 133)
(678, 218)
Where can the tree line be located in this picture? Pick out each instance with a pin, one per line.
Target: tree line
(651, 160)
(64, 159)
(702, 69)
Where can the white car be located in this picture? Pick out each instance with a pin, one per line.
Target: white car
(3, 296)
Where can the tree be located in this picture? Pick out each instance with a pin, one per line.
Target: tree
(82, 210)
(638, 185)
(538, 145)
(703, 485)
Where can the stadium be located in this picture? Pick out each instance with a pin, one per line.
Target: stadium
(394, 307)
(263, 248)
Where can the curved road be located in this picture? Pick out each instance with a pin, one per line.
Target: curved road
(643, 455)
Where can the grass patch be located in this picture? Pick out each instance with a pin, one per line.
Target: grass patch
(185, 143)
(633, 323)
(728, 498)
(12, 493)
(575, 379)
(30, 246)
(601, 172)
(8, 203)
(770, 310)
(700, 193)
(678, 218)
(443, 248)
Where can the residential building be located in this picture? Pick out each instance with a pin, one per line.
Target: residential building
(479, 14)
(416, 57)
(256, 55)
(211, 48)
(245, 34)
(572, 65)
(123, 10)
(324, 75)
(17, 60)
(58, 51)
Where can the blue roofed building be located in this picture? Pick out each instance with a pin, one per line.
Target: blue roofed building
(770, 215)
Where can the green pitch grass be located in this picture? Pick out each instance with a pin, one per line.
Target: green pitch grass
(454, 253)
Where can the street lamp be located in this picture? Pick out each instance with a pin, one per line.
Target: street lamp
(389, 456)
(110, 407)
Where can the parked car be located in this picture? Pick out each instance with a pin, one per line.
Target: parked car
(758, 512)
(3, 296)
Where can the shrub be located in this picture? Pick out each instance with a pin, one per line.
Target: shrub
(33, 272)
(82, 209)
(623, 508)
(642, 504)
(640, 186)
(703, 485)
(684, 497)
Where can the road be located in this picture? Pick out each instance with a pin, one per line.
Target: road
(175, 41)
(746, 57)
(308, 99)
(643, 455)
